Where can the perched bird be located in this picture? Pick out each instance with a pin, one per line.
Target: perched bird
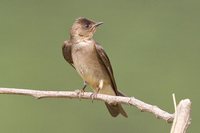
(91, 62)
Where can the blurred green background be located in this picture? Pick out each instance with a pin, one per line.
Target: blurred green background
(154, 47)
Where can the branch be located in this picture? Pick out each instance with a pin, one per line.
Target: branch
(182, 117)
(159, 113)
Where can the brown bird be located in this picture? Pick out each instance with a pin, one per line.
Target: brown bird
(91, 62)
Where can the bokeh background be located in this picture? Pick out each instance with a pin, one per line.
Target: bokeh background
(154, 47)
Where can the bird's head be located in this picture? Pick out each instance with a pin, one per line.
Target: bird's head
(83, 28)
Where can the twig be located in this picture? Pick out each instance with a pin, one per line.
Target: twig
(175, 105)
(159, 113)
(174, 100)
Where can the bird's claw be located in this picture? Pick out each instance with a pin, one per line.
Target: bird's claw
(80, 93)
(93, 96)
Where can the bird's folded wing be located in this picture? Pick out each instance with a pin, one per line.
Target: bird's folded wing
(66, 50)
(106, 62)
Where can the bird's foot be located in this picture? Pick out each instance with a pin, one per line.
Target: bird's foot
(93, 96)
(80, 93)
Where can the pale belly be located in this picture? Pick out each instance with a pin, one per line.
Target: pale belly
(91, 69)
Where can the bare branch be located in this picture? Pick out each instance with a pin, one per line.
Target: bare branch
(182, 117)
(159, 113)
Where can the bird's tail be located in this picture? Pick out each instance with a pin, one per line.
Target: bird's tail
(116, 109)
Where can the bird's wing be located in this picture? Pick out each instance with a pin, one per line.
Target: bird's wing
(106, 62)
(66, 50)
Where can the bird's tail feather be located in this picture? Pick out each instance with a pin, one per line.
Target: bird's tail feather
(116, 109)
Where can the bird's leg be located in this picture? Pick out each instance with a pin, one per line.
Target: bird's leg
(100, 86)
(84, 86)
(82, 90)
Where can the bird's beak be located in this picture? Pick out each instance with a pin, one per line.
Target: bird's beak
(97, 24)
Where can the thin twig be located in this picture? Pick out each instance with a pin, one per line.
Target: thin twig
(159, 113)
(175, 105)
(174, 101)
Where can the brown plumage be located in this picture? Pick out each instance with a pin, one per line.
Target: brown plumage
(91, 62)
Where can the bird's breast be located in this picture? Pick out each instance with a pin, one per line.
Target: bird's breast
(84, 58)
(88, 64)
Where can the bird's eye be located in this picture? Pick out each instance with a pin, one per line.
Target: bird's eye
(87, 25)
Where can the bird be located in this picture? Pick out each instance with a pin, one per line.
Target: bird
(91, 62)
